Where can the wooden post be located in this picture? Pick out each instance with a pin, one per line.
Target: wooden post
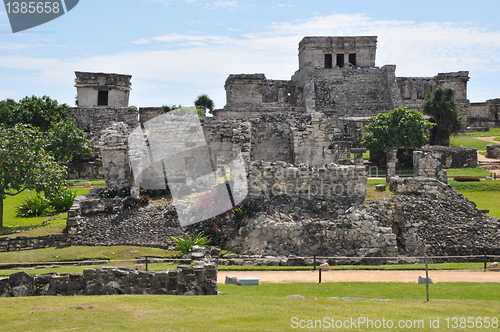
(319, 282)
(147, 263)
(427, 277)
(314, 263)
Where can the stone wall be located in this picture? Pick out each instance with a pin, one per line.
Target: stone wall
(428, 165)
(454, 156)
(328, 182)
(31, 243)
(485, 114)
(185, 280)
(493, 151)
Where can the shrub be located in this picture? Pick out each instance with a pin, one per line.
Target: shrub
(62, 201)
(34, 207)
(186, 242)
(466, 178)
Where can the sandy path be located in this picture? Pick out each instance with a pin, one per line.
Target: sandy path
(370, 276)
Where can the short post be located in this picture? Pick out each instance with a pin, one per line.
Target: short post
(319, 282)
(427, 277)
(147, 263)
(314, 263)
(485, 262)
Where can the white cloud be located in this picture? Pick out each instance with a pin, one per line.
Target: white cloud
(195, 63)
(141, 41)
(225, 4)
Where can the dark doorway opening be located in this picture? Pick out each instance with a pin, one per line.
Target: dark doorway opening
(352, 59)
(102, 98)
(340, 60)
(328, 61)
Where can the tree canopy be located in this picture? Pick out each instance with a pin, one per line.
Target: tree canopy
(64, 139)
(442, 107)
(204, 102)
(25, 163)
(400, 128)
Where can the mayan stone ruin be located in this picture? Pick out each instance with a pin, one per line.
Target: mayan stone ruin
(297, 139)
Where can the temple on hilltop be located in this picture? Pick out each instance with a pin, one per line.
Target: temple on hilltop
(337, 76)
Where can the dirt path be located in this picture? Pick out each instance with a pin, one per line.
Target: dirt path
(370, 276)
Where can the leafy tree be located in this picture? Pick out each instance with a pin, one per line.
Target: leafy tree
(400, 128)
(25, 164)
(204, 102)
(65, 139)
(441, 105)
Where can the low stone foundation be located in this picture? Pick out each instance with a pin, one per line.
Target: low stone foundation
(454, 156)
(185, 280)
(493, 151)
(30, 243)
(415, 185)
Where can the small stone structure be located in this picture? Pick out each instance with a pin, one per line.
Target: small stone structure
(429, 177)
(184, 280)
(454, 156)
(102, 89)
(328, 182)
(493, 151)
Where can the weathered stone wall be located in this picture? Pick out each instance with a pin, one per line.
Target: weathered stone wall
(354, 92)
(185, 280)
(93, 120)
(358, 231)
(485, 114)
(31, 243)
(493, 151)
(454, 156)
(329, 182)
(428, 165)
(115, 159)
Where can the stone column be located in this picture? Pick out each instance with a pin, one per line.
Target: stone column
(358, 155)
(392, 160)
(115, 160)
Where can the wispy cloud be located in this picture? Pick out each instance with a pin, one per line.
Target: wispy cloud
(197, 63)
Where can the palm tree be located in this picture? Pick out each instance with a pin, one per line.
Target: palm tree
(204, 102)
(442, 107)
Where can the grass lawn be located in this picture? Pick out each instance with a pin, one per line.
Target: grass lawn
(470, 140)
(468, 171)
(51, 224)
(257, 308)
(486, 194)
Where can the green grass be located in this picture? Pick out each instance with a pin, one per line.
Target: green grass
(11, 222)
(468, 171)
(486, 194)
(253, 308)
(469, 139)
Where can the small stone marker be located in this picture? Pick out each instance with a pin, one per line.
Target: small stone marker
(380, 187)
(494, 266)
(324, 267)
(422, 280)
(249, 281)
(231, 281)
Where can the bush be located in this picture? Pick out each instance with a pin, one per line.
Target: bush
(186, 242)
(62, 201)
(466, 178)
(34, 207)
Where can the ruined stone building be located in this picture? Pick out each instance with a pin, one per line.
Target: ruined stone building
(315, 118)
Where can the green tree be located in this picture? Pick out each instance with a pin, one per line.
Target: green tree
(65, 139)
(204, 102)
(401, 128)
(25, 164)
(442, 107)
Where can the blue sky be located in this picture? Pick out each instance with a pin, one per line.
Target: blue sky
(176, 50)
